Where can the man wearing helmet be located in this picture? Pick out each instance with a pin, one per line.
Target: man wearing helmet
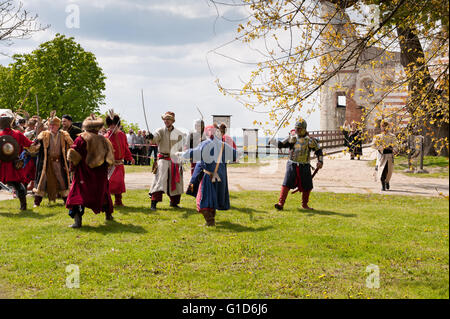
(10, 173)
(298, 168)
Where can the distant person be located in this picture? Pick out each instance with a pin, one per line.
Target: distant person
(226, 138)
(153, 149)
(131, 139)
(355, 141)
(67, 126)
(345, 131)
(194, 139)
(386, 145)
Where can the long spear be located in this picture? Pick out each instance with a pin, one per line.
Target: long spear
(37, 104)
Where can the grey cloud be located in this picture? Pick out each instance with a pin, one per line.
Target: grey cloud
(128, 24)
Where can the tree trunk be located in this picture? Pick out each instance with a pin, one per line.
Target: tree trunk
(412, 58)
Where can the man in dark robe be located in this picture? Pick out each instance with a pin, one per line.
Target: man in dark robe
(67, 126)
(90, 156)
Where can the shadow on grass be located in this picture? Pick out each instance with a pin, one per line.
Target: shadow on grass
(189, 211)
(134, 209)
(248, 210)
(324, 213)
(239, 228)
(27, 214)
(113, 227)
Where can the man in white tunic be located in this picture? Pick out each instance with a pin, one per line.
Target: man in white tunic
(169, 171)
(386, 146)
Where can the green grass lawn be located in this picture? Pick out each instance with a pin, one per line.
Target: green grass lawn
(253, 252)
(437, 166)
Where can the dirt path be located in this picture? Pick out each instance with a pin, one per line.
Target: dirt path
(339, 175)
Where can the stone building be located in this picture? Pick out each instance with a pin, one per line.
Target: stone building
(369, 89)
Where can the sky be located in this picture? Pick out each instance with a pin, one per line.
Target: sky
(163, 47)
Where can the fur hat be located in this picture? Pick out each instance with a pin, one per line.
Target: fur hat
(168, 116)
(55, 121)
(112, 119)
(92, 123)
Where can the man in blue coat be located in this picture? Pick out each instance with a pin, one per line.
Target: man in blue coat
(209, 183)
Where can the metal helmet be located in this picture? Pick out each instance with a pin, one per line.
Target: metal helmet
(301, 123)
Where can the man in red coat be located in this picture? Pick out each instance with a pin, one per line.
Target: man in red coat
(9, 174)
(121, 153)
(90, 156)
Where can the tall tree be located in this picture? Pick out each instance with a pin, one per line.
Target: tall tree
(64, 76)
(306, 43)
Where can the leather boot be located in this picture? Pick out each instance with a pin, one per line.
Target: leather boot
(37, 201)
(174, 205)
(22, 195)
(77, 221)
(118, 200)
(109, 216)
(23, 202)
(387, 186)
(209, 218)
(283, 195)
(153, 205)
(305, 200)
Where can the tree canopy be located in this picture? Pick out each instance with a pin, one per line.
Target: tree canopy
(59, 75)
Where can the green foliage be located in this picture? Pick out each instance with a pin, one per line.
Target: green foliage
(64, 76)
(253, 252)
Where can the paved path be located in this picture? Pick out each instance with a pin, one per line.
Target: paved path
(339, 175)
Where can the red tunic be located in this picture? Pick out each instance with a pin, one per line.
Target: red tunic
(7, 171)
(121, 152)
(90, 187)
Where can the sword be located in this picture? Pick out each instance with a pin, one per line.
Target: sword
(111, 171)
(6, 188)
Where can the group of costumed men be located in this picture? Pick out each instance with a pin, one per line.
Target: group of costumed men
(85, 168)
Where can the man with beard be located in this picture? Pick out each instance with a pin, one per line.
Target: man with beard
(67, 126)
(169, 172)
(52, 169)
